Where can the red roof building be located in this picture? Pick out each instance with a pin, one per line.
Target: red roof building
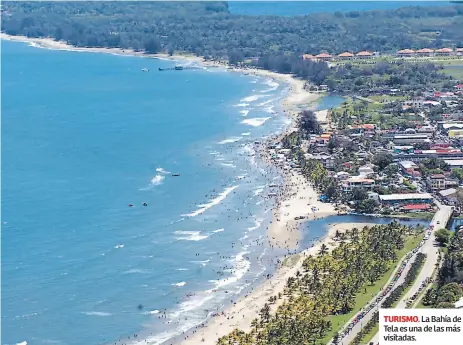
(416, 207)
(405, 52)
(323, 56)
(364, 55)
(444, 51)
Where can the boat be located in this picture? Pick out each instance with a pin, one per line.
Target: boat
(178, 68)
(145, 69)
(175, 174)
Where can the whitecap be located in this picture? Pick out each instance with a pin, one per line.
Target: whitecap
(231, 165)
(211, 203)
(22, 343)
(253, 98)
(241, 105)
(270, 110)
(219, 230)
(258, 191)
(161, 170)
(257, 224)
(182, 269)
(96, 313)
(266, 102)
(119, 246)
(241, 266)
(152, 312)
(157, 180)
(136, 270)
(190, 235)
(202, 263)
(244, 112)
(255, 122)
(179, 284)
(229, 140)
(246, 134)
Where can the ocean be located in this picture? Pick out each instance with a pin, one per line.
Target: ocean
(85, 135)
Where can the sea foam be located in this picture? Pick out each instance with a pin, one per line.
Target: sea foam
(229, 140)
(179, 284)
(96, 313)
(253, 98)
(211, 203)
(190, 235)
(255, 122)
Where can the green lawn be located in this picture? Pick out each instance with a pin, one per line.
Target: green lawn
(456, 72)
(419, 215)
(338, 321)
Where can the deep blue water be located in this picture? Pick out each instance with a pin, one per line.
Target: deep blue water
(297, 8)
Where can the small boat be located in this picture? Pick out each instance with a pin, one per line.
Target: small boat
(145, 69)
(145, 204)
(178, 68)
(130, 205)
(175, 174)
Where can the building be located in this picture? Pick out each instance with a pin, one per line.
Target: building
(436, 181)
(324, 57)
(364, 55)
(454, 163)
(408, 167)
(404, 199)
(455, 133)
(424, 52)
(366, 170)
(410, 138)
(444, 52)
(357, 182)
(308, 57)
(405, 53)
(413, 208)
(346, 56)
(326, 160)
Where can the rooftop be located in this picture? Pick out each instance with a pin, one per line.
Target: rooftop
(447, 192)
(416, 207)
(407, 196)
(444, 50)
(408, 164)
(454, 162)
(405, 51)
(425, 50)
(364, 53)
(323, 55)
(438, 176)
(346, 54)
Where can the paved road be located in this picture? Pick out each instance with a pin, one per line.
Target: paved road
(432, 254)
(440, 219)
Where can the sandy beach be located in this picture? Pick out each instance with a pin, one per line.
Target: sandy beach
(297, 198)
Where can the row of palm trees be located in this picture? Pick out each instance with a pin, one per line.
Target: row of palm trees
(327, 285)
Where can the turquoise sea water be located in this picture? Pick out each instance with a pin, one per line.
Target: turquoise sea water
(298, 8)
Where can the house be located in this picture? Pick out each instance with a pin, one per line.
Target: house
(410, 138)
(404, 199)
(444, 52)
(455, 133)
(405, 53)
(424, 52)
(308, 57)
(459, 51)
(408, 167)
(364, 55)
(454, 163)
(342, 175)
(326, 160)
(436, 181)
(449, 195)
(357, 182)
(346, 56)
(324, 57)
(366, 170)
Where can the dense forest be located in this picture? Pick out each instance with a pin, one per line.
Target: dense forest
(208, 29)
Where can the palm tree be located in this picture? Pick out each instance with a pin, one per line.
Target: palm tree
(323, 249)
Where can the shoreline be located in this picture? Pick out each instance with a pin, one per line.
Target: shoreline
(296, 198)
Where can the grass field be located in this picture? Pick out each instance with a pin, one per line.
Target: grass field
(338, 321)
